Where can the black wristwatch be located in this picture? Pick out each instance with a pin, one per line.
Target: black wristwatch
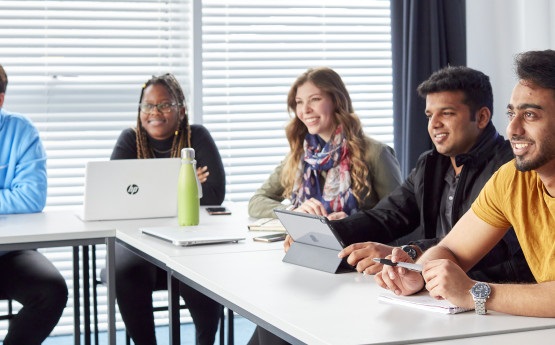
(410, 251)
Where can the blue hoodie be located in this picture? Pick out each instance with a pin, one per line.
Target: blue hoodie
(22, 166)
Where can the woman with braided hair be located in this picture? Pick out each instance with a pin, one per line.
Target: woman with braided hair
(162, 130)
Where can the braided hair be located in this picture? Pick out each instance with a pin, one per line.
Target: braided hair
(182, 137)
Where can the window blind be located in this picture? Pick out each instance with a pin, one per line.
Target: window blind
(75, 68)
(253, 51)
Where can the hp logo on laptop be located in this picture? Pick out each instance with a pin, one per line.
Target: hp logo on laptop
(132, 189)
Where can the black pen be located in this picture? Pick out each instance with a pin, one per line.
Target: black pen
(412, 267)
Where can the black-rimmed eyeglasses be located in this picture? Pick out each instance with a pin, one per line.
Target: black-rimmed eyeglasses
(162, 107)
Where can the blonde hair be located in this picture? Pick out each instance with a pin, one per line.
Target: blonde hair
(182, 137)
(328, 81)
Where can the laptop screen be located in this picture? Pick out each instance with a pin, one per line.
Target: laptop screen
(131, 188)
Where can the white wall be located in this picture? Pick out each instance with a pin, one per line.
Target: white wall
(499, 29)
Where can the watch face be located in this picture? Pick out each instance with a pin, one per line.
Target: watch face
(480, 290)
(410, 251)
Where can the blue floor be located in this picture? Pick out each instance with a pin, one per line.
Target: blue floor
(243, 329)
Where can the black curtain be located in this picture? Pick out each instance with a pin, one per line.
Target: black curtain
(426, 36)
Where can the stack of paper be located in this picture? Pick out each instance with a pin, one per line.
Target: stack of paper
(422, 300)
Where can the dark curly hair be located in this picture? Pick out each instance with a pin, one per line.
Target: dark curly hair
(182, 137)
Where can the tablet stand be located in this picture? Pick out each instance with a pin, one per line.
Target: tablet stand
(319, 258)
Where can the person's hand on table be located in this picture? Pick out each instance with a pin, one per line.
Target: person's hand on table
(398, 279)
(202, 173)
(360, 256)
(446, 280)
(287, 243)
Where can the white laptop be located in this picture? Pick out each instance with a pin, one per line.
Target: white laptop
(193, 235)
(130, 189)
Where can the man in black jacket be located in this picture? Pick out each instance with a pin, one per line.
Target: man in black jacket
(444, 183)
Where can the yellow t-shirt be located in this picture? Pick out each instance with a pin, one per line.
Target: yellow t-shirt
(519, 199)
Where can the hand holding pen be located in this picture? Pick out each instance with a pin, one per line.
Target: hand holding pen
(407, 265)
(399, 279)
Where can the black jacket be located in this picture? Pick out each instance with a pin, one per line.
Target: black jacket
(206, 154)
(411, 211)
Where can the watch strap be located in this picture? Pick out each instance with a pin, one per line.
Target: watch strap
(480, 306)
(480, 293)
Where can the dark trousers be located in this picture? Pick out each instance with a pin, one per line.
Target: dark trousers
(263, 337)
(136, 279)
(32, 280)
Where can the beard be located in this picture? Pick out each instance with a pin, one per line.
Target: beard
(546, 154)
(523, 165)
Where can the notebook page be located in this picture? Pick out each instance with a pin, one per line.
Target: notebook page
(424, 301)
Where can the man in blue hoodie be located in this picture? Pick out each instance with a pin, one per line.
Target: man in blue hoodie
(26, 275)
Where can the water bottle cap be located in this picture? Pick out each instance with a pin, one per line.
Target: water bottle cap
(188, 153)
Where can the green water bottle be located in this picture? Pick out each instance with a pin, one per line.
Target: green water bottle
(189, 190)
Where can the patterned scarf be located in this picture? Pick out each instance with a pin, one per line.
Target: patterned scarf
(337, 194)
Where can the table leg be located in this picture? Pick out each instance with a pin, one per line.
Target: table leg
(173, 309)
(230, 327)
(111, 293)
(76, 306)
(86, 296)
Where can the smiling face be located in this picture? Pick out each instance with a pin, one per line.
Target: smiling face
(449, 123)
(316, 110)
(531, 129)
(157, 124)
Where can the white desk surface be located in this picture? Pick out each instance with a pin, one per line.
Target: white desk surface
(308, 305)
(544, 336)
(128, 232)
(315, 307)
(61, 228)
(50, 226)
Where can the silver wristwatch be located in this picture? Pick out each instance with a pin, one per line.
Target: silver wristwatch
(480, 293)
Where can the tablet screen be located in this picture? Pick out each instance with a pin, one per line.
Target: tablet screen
(309, 229)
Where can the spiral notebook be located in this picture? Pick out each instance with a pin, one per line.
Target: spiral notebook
(424, 301)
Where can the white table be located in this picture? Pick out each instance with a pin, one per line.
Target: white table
(128, 233)
(307, 306)
(61, 229)
(159, 252)
(544, 336)
(303, 305)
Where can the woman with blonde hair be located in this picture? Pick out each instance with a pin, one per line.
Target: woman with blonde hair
(333, 168)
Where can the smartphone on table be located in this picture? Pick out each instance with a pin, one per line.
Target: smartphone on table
(271, 238)
(218, 210)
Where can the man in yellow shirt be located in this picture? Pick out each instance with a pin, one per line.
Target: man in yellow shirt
(521, 195)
